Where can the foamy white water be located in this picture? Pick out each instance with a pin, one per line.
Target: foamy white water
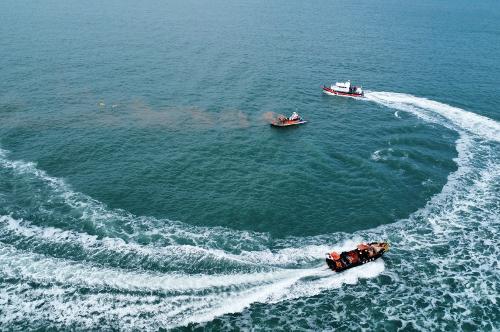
(434, 253)
(463, 120)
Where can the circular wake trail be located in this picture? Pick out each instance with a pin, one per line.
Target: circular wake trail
(82, 265)
(67, 277)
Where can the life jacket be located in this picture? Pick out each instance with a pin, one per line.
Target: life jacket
(334, 255)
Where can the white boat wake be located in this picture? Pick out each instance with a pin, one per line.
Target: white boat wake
(101, 266)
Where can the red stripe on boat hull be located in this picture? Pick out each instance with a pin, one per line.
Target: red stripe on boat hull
(342, 93)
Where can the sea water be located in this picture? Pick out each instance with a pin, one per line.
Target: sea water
(141, 186)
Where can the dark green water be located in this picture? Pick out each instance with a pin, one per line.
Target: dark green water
(141, 186)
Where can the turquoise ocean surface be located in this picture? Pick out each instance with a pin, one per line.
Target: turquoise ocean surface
(142, 188)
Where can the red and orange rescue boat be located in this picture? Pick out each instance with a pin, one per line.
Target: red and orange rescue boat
(363, 254)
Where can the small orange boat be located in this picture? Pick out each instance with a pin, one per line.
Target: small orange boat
(283, 121)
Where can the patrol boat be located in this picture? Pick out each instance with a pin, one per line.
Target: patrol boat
(344, 89)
